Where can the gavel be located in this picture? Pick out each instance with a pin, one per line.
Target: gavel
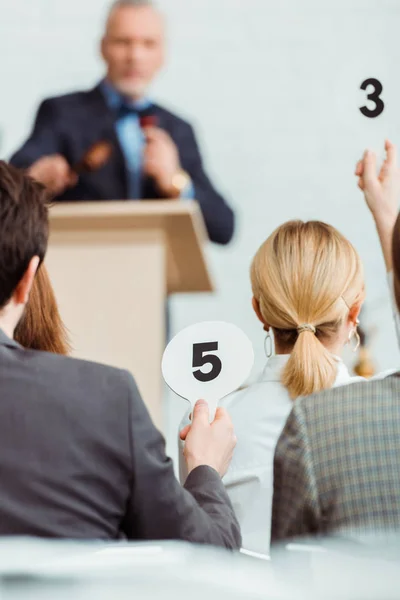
(99, 153)
(94, 158)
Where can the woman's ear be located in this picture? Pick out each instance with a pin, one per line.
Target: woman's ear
(256, 308)
(354, 313)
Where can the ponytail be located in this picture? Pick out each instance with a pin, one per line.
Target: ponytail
(311, 367)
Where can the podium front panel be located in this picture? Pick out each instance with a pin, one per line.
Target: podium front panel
(111, 290)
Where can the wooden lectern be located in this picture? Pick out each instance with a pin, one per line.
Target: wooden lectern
(112, 265)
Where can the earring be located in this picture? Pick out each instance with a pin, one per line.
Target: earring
(355, 334)
(268, 345)
(358, 344)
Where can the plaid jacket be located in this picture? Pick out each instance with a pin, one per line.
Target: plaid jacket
(337, 463)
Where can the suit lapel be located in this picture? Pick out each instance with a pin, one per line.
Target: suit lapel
(112, 178)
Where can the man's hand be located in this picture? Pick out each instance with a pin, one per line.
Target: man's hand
(54, 172)
(209, 444)
(161, 160)
(382, 194)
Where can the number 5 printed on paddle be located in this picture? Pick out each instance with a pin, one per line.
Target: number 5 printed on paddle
(374, 96)
(200, 359)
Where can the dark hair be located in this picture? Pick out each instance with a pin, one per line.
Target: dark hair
(23, 226)
(396, 260)
(41, 327)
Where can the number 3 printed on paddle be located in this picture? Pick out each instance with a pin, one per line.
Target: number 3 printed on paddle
(208, 360)
(374, 96)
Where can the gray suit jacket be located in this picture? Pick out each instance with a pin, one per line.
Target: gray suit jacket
(337, 463)
(80, 458)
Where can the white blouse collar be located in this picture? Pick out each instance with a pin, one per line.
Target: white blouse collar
(275, 365)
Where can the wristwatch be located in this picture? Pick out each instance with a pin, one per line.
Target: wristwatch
(180, 181)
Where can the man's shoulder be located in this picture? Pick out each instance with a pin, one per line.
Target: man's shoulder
(71, 372)
(72, 99)
(349, 398)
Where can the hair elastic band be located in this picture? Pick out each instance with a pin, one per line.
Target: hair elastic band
(306, 327)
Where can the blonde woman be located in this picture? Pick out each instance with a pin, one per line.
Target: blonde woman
(308, 289)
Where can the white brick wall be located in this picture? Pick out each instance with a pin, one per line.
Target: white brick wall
(273, 87)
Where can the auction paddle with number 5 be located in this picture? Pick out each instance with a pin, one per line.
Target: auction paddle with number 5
(208, 361)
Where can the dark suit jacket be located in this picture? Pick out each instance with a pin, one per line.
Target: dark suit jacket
(70, 124)
(337, 463)
(80, 458)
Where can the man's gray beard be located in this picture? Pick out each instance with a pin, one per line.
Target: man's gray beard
(133, 92)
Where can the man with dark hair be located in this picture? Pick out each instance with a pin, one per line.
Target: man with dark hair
(154, 152)
(79, 455)
(337, 462)
(23, 247)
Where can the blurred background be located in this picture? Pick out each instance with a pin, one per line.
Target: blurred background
(273, 89)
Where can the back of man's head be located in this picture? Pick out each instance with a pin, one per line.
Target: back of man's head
(23, 227)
